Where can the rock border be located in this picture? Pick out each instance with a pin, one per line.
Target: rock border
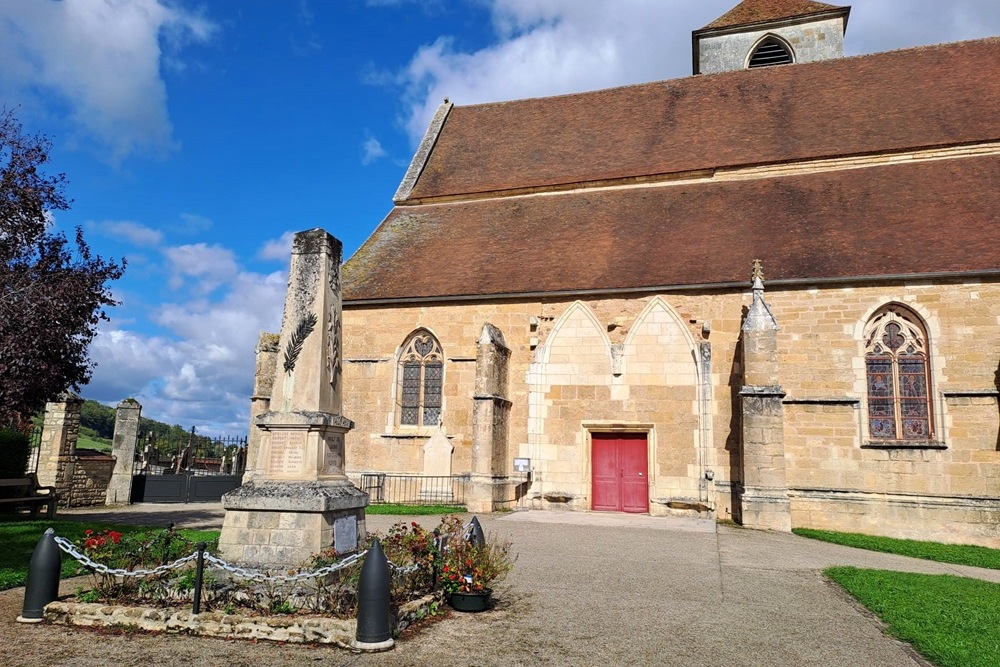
(285, 628)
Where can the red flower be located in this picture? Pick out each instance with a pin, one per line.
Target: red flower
(445, 569)
(88, 532)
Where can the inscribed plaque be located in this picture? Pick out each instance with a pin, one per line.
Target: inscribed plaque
(287, 453)
(345, 534)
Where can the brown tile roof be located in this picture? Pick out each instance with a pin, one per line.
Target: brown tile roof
(928, 96)
(917, 218)
(759, 11)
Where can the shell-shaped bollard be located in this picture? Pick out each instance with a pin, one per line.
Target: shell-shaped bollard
(43, 578)
(476, 536)
(374, 606)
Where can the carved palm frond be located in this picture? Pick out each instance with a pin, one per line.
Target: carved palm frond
(298, 337)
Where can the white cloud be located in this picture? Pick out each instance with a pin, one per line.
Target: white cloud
(103, 59)
(277, 250)
(371, 150)
(200, 371)
(133, 232)
(209, 266)
(551, 47)
(192, 223)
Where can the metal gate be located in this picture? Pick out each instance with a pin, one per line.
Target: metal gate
(183, 488)
(198, 471)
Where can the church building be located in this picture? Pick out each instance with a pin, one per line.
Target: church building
(766, 293)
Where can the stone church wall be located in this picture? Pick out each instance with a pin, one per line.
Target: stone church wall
(599, 365)
(838, 480)
(669, 366)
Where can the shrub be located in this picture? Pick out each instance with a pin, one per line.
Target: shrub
(467, 567)
(14, 451)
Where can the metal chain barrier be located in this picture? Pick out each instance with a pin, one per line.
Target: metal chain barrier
(256, 575)
(253, 575)
(100, 568)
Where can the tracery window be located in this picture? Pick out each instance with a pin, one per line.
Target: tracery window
(897, 366)
(770, 51)
(420, 375)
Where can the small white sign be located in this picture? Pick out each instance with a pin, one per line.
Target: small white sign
(522, 465)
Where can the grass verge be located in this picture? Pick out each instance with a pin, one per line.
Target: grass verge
(952, 621)
(414, 510)
(958, 554)
(19, 538)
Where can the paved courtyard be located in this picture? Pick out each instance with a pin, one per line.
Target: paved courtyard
(588, 589)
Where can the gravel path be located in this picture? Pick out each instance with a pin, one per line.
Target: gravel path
(588, 589)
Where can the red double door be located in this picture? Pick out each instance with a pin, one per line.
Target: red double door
(618, 461)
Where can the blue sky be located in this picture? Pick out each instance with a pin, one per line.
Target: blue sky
(198, 135)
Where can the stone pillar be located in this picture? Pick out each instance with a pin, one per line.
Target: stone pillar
(260, 402)
(57, 455)
(764, 497)
(490, 416)
(300, 500)
(123, 449)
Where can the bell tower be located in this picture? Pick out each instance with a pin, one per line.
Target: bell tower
(762, 33)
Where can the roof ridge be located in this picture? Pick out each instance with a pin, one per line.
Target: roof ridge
(750, 12)
(758, 71)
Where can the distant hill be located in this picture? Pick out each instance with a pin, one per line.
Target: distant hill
(101, 420)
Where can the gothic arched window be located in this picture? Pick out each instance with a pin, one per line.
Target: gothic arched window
(897, 364)
(420, 374)
(770, 51)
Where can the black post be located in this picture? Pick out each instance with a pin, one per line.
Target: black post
(436, 567)
(43, 578)
(374, 606)
(198, 572)
(476, 536)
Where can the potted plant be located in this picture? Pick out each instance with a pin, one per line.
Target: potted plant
(470, 569)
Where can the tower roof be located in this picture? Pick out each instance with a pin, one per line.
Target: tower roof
(750, 12)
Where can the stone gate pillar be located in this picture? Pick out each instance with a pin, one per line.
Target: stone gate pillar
(123, 449)
(764, 497)
(301, 501)
(260, 402)
(57, 453)
(490, 416)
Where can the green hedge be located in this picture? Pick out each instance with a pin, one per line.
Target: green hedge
(14, 450)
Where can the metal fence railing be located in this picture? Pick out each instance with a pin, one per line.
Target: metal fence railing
(385, 488)
(35, 439)
(190, 455)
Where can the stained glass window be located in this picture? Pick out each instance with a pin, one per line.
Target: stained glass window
(421, 375)
(898, 376)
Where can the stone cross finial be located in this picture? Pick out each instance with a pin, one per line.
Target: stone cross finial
(759, 315)
(758, 274)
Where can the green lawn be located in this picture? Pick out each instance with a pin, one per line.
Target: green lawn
(19, 538)
(952, 621)
(88, 442)
(414, 510)
(958, 554)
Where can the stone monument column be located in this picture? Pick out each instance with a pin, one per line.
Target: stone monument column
(764, 498)
(299, 500)
(490, 413)
(260, 402)
(57, 454)
(123, 449)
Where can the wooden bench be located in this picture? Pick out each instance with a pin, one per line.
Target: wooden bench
(24, 492)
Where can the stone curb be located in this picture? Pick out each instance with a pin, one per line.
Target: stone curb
(285, 628)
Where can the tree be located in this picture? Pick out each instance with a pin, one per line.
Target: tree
(53, 291)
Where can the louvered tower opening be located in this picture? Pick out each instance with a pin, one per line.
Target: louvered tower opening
(770, 52)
